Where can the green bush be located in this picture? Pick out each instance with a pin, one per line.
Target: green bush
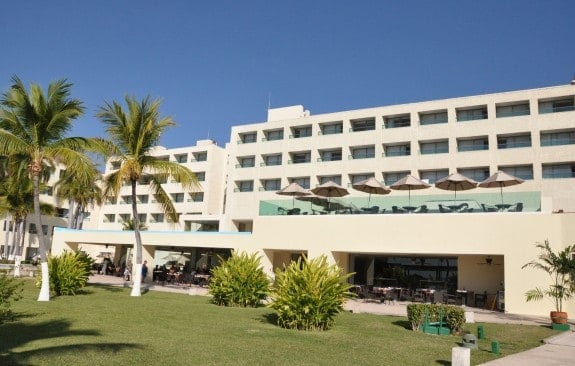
(10, 290)
(308, 294)
(453, 316)
(239, 281)
(69, 272)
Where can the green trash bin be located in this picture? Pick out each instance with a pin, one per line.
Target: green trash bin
(495, 347)
(480, 332)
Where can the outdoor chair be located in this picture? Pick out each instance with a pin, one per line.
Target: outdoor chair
(396, 209)
(480, 300)
(422, 209)
(488, 208)
(281, 211)
(444, 209)
(373, 209)
(518, 207)
(294, 211)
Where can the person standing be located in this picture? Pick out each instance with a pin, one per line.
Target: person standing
(144, 271)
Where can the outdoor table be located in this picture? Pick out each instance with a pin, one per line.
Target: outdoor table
(409, 209)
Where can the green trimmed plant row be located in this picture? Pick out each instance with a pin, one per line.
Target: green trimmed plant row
(453, 316)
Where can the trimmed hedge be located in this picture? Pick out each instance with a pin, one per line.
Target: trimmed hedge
(454, 316)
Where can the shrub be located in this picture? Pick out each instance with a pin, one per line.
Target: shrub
(239, 281)
(69, 272)
(10, 290)
(454, 316)
(308, 294)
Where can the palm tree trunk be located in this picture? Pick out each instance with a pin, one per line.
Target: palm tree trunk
(45, 287)
(137, 268)
(19, 227)
(7, 245)
(78, 217)
(70, 211)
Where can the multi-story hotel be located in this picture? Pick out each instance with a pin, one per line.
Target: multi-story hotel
(472, 241)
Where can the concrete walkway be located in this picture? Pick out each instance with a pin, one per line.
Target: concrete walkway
(557, 350)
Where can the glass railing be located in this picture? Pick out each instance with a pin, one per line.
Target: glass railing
(514, 145)
(543, 110)
(472, 148)
(434, 150)
(558, 142)
(512, 114)
(492, 201)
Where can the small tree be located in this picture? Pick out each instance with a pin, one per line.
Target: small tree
(10, 290)
(308, 294)
(239, 281)
(559, 266)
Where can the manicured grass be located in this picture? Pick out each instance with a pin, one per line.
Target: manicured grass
(105, 326)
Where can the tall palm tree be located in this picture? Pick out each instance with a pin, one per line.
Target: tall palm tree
(135, 132)
(33, 126)
(80, 194)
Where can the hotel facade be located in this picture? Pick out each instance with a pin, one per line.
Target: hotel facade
(473, 241)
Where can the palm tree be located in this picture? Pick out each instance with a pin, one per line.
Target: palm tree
(129, 226)
(135, 133)
(80, 194)
(33, 126)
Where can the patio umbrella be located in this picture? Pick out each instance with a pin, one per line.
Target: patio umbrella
(177, 258)
(330, 189)
(500, 179)
(371, 186)
(408, 183)
(293, 189)
(456, 182)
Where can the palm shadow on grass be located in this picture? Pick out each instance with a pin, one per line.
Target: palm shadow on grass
(403, 324)
(15, 335)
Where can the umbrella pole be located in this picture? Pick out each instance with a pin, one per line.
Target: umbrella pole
(369, 199)
(409, 195)
(501, 191)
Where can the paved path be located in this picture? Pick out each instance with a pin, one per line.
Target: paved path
(557, 350)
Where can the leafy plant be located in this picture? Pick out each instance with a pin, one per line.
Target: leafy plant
(308, 294)
(10, 290)
(560, 267)
(69, 272)
(239, 281)
(454, 316)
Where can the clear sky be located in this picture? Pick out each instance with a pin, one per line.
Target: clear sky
(219, 63)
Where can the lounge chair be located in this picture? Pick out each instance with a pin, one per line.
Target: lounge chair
(396, 209)
(444, 209)
(422, 209)
(488, 208)
(518, 207)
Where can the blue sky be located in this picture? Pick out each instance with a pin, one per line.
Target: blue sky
(217, 64)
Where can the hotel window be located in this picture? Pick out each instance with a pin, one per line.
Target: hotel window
(330, 155)
(356, 178)
(302, 181)
(471, 114)
(392, 177)
(363, 124)
(196, 197)
(300, 157)
(327, 178)
(163, 158)
(271, 160)
(47, 190)
(511, 110)
(273, 135)
(271, 184)
(127, 199)
(201, 176)
(301, 131)
(177, 197)
(181, 158)
(432, 176)
(434, 147)
(200, 156)
(248, 137)
(513, 141)
(472, 144)
(109, 217)
(403, 149)
(334, 128)
(116, 165)
(560, 170)
(562, 104)
(477, 174)
(157, 217)
(246, 162)
(362, 152)
(524, 172)
(557, 138)
(110, 201)
(245, 186)
(124, 218)
(144, 180)
(142, 218)
(32, 229)
(142, 198)
(432, 118)
(45, 229)
(397, 121)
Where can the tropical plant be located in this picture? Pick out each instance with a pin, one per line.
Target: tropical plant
(135, 133)
(69, 272)
(239, 281)
(559, 266)
(33, 126)
(129, 225)
(308, 294)
(80, 194)
(10, 290)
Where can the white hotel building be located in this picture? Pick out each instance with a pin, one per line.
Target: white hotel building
(527, 133)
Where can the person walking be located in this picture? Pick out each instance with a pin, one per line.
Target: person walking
(144, 271)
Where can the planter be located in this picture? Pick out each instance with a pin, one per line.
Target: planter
(558, 317)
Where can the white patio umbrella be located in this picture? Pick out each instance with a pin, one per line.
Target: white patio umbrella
(500, 179)
(409, 183)
(371, 186)
(456, 182)
(293, 189)
(330, 189)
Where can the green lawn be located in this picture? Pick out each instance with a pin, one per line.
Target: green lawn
(105, 326)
